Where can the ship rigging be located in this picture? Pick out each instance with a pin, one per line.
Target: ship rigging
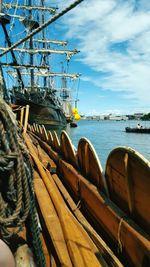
(36, 84)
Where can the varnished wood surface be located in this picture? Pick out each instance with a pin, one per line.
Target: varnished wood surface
(90, 165)
(115, 224)
(120, 212)
(104, 250)
(56, 143)
(52, 222)
(79, 248)
(128, 179)
(67, 149)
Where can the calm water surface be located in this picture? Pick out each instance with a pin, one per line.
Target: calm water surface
(107, 135)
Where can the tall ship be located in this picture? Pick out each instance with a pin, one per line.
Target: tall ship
(69, 101)
(32, 70)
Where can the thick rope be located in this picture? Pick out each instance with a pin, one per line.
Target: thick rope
(14, 177)
(17, 201)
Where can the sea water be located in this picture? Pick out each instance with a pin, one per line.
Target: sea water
(107, 135)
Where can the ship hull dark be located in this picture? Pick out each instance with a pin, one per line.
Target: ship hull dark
(51, 116)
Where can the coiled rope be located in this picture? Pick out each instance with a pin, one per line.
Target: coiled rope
(17, 202)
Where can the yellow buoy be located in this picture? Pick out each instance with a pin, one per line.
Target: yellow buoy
(77, 116)
(74, 110)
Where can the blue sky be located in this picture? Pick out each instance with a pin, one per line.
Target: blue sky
(113, 37)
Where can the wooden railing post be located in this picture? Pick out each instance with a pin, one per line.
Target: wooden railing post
(26, 119)
(21, 117)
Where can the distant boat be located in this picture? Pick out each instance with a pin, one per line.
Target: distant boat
(137, 130)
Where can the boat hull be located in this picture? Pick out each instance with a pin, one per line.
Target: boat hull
(136, 130)
(126, 233)
(47, 114)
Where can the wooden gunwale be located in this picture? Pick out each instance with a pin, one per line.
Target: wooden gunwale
(69, 177)
(90, 165)
(67, 149)
(50, 138)
(56, 143)
(44, 134)
(117, 225)
(78, 247)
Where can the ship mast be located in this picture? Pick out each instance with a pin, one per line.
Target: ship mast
(41, 27)
(5, 20)
(31, 47)
(64, 92)
(44, 45)
(0, 6)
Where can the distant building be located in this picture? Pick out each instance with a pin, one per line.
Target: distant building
(138, 116)
(135, 116)
(118, 117)
(114, 117)
(102, 117)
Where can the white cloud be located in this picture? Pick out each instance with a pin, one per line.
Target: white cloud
(101, 24)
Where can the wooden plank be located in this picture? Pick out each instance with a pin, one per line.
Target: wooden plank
(36, 175)
(52, 222)
(105, 251)
(44, 158)
(52, 154)
(53, 262)
(51, 166)
(79, 248)
(47, 253)
(93, 247)
(42, 155)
